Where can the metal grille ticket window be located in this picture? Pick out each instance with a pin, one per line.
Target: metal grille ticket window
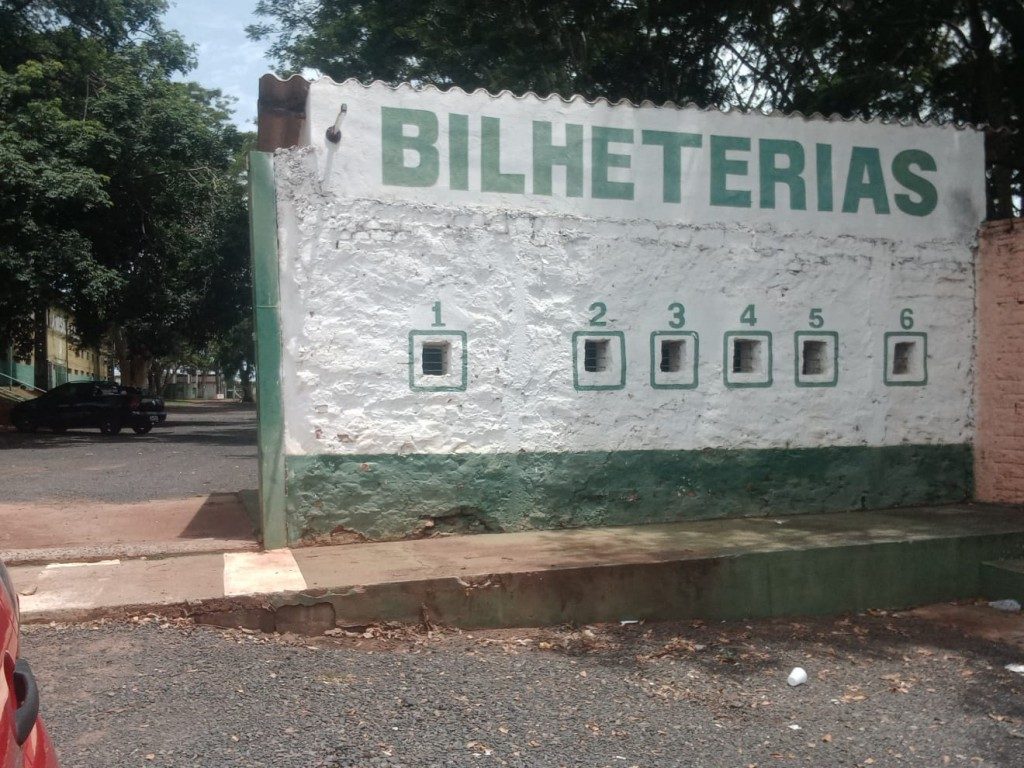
(595, 355)
(435, 359)
(671, 356)
(814, 358)
(902, 354)
(744, 355)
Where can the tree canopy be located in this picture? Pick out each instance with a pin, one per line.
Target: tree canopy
(121, 195)
(958, 60)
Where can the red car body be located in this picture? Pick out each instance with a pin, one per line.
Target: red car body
(24, 742)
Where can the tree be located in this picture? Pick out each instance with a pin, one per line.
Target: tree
(921, 59)
(47, 192)
(945, 60)
(636, 50)
(169, 165)
(115, 180)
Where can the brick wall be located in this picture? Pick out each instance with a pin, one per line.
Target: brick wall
(999, 446)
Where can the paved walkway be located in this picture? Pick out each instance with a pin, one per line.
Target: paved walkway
(61, 531)
(82, 496)
(730, 565)
(201, 449)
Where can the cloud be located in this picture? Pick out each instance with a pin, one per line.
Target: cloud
(227, 59)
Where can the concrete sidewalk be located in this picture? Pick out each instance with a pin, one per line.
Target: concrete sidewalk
(68, 531)
(811, 564)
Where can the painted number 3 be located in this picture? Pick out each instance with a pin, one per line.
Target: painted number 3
(678, 315)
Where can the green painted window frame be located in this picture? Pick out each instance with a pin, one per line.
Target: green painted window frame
(923, 381)
(726, 361)
(413, 335)
(798, 359)
(266, 286)
(655, 336)
(576, 362)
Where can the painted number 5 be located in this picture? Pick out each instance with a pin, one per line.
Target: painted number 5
(815, 320)
(678, 315)
(599, 308)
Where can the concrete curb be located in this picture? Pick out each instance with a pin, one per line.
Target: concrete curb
(723, 569)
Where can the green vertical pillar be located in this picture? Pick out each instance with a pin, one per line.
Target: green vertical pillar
(266, 305)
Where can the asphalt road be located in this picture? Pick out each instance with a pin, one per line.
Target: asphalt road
(884, 690)
(200, 449)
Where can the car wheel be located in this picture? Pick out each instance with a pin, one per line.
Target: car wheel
(143, 429)
(111, 427)
(25, 425)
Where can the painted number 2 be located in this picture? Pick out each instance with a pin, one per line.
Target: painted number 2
(678, 315)
(437, 315)
(599, 309)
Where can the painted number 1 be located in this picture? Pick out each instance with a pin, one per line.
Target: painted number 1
(437, 315)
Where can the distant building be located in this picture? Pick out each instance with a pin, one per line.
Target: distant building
(67, 359)
(195, 385)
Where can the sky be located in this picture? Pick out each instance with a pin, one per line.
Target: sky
(228, 60)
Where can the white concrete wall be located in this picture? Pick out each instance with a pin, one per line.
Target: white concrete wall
(357, 275)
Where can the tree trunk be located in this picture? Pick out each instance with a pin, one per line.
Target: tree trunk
(40, 348)
(134, 364)
(247, 372)
(987, 108)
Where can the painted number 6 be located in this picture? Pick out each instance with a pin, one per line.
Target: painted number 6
(678, 315)
(907, 319)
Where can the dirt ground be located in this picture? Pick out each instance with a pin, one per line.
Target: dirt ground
(927, 687)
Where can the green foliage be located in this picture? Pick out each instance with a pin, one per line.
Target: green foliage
(637, 50)
(120, 189)
(47, 193)
(920, 59)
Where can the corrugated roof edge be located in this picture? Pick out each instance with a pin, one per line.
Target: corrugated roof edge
(577, 98)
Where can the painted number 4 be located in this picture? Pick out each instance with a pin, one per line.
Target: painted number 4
(749, 317)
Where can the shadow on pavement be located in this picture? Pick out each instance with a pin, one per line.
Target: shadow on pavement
(227, 435)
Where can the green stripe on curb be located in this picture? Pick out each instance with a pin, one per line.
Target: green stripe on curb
(266, 299)
(396, 496)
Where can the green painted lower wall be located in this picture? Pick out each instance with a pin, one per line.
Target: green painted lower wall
(391, 496)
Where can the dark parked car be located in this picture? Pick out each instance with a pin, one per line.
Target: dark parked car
(78, 404)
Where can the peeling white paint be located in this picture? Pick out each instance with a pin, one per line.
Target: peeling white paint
(363, 264)
(520, 284)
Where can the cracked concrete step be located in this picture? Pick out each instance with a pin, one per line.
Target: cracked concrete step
(715, 569)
